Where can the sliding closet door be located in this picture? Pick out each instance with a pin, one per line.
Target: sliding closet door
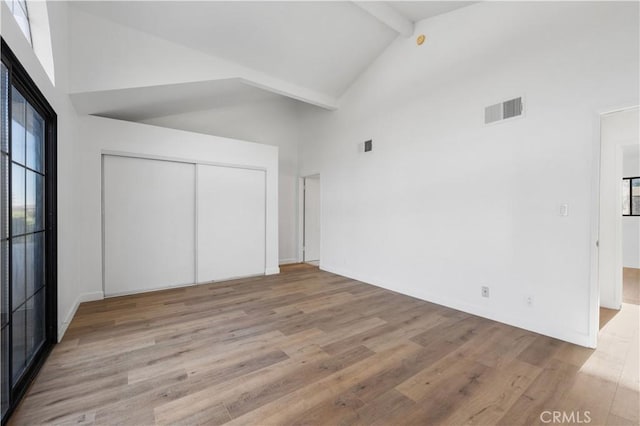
(231, 222)
(149, 222)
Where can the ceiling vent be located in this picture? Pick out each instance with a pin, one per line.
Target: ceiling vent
(503, 111)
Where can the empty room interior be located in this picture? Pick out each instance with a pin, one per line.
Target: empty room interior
(320, 212)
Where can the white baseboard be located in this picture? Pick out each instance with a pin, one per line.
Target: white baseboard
(272, 271)
(288, 261)
(84, 297)
(607, 306)
(151, 290)
(545, 329)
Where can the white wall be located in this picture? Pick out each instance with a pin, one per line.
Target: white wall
(273, 123)
(69, 289)
(444, 204)
(631, 225)
(80, 142)
(144, 63)
(100, 135)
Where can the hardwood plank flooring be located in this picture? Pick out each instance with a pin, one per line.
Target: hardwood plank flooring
(307, 347)
(631, 287)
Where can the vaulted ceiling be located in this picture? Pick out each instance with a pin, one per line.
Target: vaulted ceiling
(317, 46)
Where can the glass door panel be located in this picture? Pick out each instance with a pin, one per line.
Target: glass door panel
(27, 232)
(4, 239)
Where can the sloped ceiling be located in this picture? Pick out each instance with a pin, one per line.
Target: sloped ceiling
(143, 103)
(321, 46)
(419, 10)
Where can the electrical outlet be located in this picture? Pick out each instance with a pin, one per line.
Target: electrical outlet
(564, 209)
(485, 291)
(529, 301)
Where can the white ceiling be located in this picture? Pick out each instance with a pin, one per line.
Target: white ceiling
(419, 10)
(143, 103)
(322, 46)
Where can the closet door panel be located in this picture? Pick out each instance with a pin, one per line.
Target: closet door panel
(149, 224)
(231, 222)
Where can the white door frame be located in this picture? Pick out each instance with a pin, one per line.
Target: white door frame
(595, 250)
(301, 212)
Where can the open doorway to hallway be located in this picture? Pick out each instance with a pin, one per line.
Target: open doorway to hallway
(631, 224)
(311, 220)
(619, 265)
(617, 229)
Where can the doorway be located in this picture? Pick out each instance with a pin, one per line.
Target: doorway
(619, 138)
(311, 220)
(631, 224)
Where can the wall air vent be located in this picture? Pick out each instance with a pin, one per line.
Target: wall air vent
(502, 111)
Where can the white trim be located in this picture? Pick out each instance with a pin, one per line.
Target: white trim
(301, 213)
(102, 227)
(266, 227)
(195, 223)
(300, 219)
(288, 261)
(147, 290)
(84, 297)
(514, 321)
(594, 287)
(272, 271)
(594, 284)
(179, 160)
(151, 290)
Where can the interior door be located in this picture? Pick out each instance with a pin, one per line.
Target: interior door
(312, 219)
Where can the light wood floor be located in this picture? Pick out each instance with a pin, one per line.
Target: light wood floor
(309, 347)
(631, 286)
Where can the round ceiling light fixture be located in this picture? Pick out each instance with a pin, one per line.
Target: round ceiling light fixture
(421, 38)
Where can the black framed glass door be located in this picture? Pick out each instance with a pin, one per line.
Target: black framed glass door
(28, 232)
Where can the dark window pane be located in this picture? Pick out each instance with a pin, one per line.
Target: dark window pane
(4, 196)
(19, 342)
(18, 277)
(18, 134)
(4, 281)
(35, 202)
(4, 110)
(4, 357)
(18, 201)
(35, 324)
(35, 263)
(35, 140)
